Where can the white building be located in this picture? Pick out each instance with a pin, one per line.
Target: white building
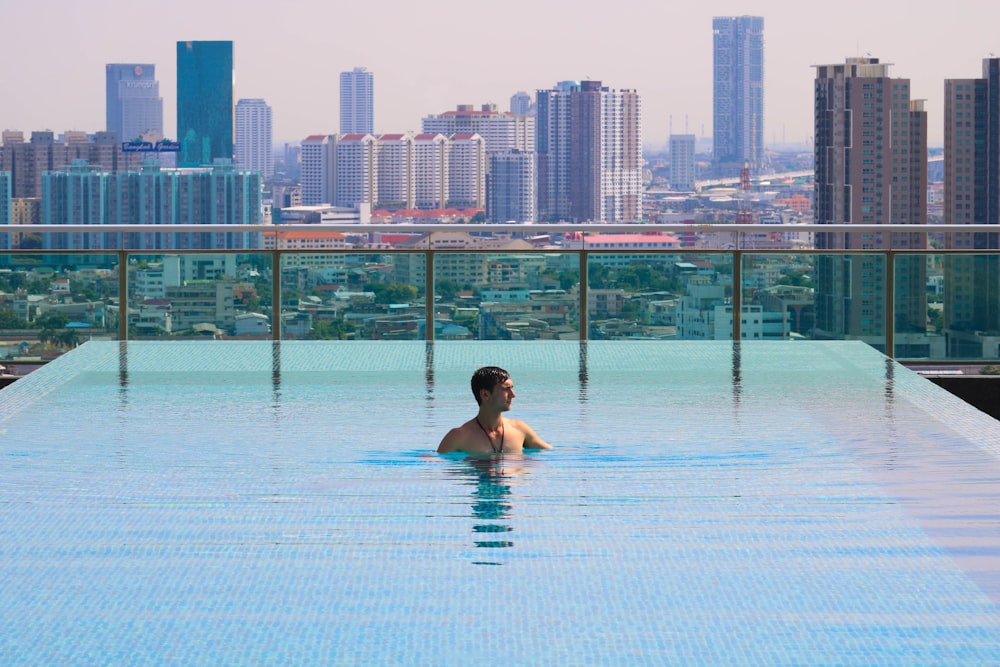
(252, 150)
(467, 171)
(356, 170)
(430, 171)
(357, 102)
(501, 131)
(252, 324)
(317, 169)
(395, 171)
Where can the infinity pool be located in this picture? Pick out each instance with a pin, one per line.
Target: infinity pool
(224, 503)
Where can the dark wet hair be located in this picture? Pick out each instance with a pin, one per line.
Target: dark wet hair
(487, 377)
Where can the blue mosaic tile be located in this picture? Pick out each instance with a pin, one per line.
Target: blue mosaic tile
(247, 503)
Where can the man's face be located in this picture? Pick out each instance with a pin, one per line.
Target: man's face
(501, 395)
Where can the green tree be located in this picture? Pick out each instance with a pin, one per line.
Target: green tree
(568, 279)
(82, 292)
(337, 329)
(8, 320)
(66, 338)
(446, 289)
(794, 278)
(394, 293)
(51, 321)
(479, 217)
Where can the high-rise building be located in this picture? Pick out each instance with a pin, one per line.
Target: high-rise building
(88, 195)
(395, 171)
(356, 170)
(521, 103)
(501, 131)
(871, 169)
(205, 93)
(682, 171)
(317, 168)
(738, 93)
(589, 144)
(133, 105)
(6, 207)
(253, 137)
(430, 170)
(28, 160)
(510, 189)
(467, 171)
(357, 102)
(972, 196)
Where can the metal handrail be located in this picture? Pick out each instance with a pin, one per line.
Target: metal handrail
(736, 251)
(404, 227)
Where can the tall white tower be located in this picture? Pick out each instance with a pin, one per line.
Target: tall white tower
(357, 101)
(253, 137)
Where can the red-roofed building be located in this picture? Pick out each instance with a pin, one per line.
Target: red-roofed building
(308, 246)
(310, 240)
(654, 241)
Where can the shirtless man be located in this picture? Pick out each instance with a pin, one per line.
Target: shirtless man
(489, 433)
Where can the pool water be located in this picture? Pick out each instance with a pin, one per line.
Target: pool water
(244, 503)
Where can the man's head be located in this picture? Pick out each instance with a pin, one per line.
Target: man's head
(487, 378)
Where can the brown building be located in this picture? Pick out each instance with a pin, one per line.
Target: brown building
(871, 168)
(590, 153)
(972, 196)
(28, 160)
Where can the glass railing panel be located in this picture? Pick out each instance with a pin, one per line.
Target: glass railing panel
(964, 305)
(210, 296)
(778, 296)
(50, 303)
(506, 296)
(816, 296)
(918, 301)
(353, 295)
(187, 241)
(683, 296)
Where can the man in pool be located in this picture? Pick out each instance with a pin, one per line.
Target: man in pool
(489, 433)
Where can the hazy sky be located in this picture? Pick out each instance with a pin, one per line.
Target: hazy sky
(428, 56)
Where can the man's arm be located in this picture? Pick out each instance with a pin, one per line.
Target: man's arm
(450, 442)
(532, 439)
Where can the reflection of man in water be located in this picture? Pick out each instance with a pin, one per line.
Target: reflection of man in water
(492, 504)
(489, 433)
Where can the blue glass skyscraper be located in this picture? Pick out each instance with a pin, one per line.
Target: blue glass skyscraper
(204, 102)
(738, 93)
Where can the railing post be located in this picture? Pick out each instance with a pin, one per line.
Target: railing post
(122, 294)
(737, 294)
(276, 293)
(429, 294)
(890, 304)
(584, 320)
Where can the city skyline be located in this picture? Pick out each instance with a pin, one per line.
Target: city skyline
(665, 54)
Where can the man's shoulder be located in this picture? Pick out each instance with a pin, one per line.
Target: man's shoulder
(455, 438)
(516, 423)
